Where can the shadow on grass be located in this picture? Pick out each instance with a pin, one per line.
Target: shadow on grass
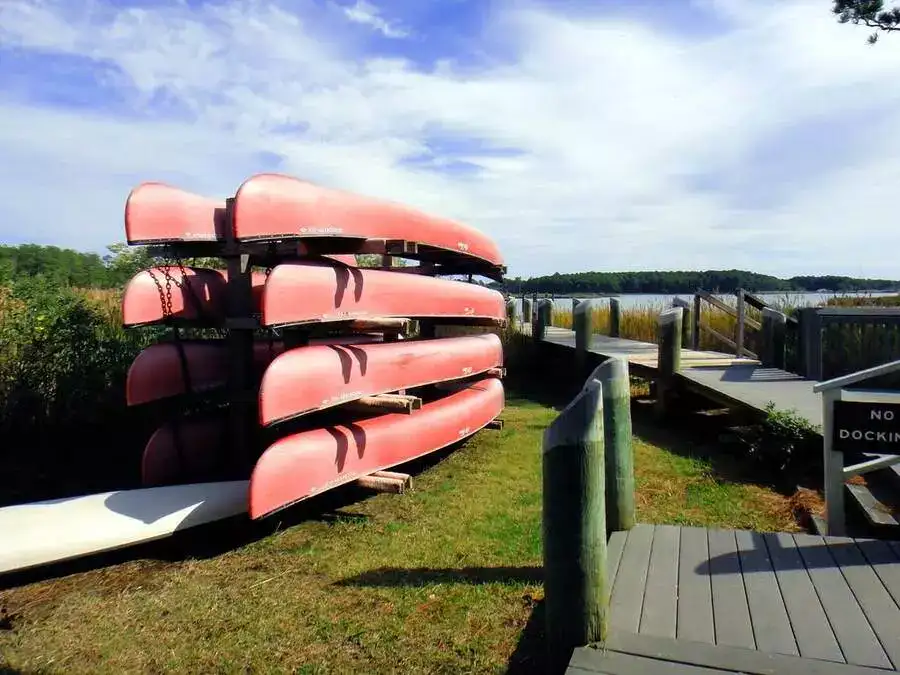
(529, 656)
(214, 539)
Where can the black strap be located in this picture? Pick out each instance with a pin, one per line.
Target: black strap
(182, 359)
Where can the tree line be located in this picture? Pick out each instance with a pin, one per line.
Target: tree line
(74, 268)
(723, 281)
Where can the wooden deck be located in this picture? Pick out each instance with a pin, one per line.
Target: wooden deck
(691, 600)
(725, 378)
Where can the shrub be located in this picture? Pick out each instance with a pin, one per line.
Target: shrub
(63, 359)
(785, 441)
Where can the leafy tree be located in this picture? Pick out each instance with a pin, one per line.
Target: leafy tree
(869, 13)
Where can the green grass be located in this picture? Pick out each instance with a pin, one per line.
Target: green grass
(443, 579)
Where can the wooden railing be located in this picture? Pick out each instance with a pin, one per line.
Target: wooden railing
(815, 321)
(795, 342)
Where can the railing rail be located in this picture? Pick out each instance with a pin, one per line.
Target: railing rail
(814, 321)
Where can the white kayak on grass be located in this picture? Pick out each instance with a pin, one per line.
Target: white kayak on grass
(45, 532)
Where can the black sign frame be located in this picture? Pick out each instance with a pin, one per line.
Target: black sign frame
(865, 426)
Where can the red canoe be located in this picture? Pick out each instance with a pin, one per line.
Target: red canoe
(156, 213)
(160, 213)
(195, 294)
(274, 205)
(156, 372)
(316, 377)
(203, 444)
(309, 292)
(305, 464)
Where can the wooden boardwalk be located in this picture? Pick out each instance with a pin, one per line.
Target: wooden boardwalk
(727, 379)
(688, 600)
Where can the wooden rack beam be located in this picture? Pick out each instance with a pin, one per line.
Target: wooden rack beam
(388, 403)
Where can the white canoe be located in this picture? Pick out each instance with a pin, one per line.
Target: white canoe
(45, 532)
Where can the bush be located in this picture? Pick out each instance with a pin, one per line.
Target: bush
(64, 357)
(62, 362)
(785, 441)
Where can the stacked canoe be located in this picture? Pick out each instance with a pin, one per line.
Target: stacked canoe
(317, 375)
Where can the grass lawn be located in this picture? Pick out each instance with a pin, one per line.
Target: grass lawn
(443, 579)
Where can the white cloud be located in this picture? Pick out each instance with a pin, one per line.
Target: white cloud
(368, 14)
(635, 148)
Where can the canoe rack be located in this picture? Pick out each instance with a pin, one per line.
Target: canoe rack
(240, 326)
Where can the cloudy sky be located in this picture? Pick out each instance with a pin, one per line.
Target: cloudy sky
(580, 134)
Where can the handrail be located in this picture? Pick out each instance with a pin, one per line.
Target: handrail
(858, 376)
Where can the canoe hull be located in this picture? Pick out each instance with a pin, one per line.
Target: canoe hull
(156, 213)
(316, 377)
(52, 531)
(302, 465)
(156, 373)
(196, 293)
(275, 205)
(307, 292)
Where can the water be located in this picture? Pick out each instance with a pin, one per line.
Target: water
(776, 299)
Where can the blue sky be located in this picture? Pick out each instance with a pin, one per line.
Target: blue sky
(606, 135)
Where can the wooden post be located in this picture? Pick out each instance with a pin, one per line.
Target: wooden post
(833, 461)
(527, 313)
(669, 356)
(810, 343)
(686, 323)
(575, 302)
(614, 316)
(576, 592)
(511, 312)
(739, 329)
(695, 323)
(774, 327)
(616, 387)
(542, 319)
(583, 325)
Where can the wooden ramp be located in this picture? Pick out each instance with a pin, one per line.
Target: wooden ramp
(690, 600)
(725, 378)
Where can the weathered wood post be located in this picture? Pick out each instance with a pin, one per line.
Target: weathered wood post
(774, 328)
(542, 319)
(576, 592)
(669, 358)
(575, 302)
(686, 323)
(527, 313)
(615, 313)
(695, 323)
(583, 325)
(511, 312)
(616, 386)
(739, 327)
(810, 342)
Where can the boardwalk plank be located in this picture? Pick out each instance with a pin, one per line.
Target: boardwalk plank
(628, 592)
(854, 634)
(885, 562)
(730, 659)
(771, 626)
(731, 615)
(617, 663)
(660, 609)
(614, 546)
(724, 377)
(878, 606)
(812, 631)
(695, 611)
